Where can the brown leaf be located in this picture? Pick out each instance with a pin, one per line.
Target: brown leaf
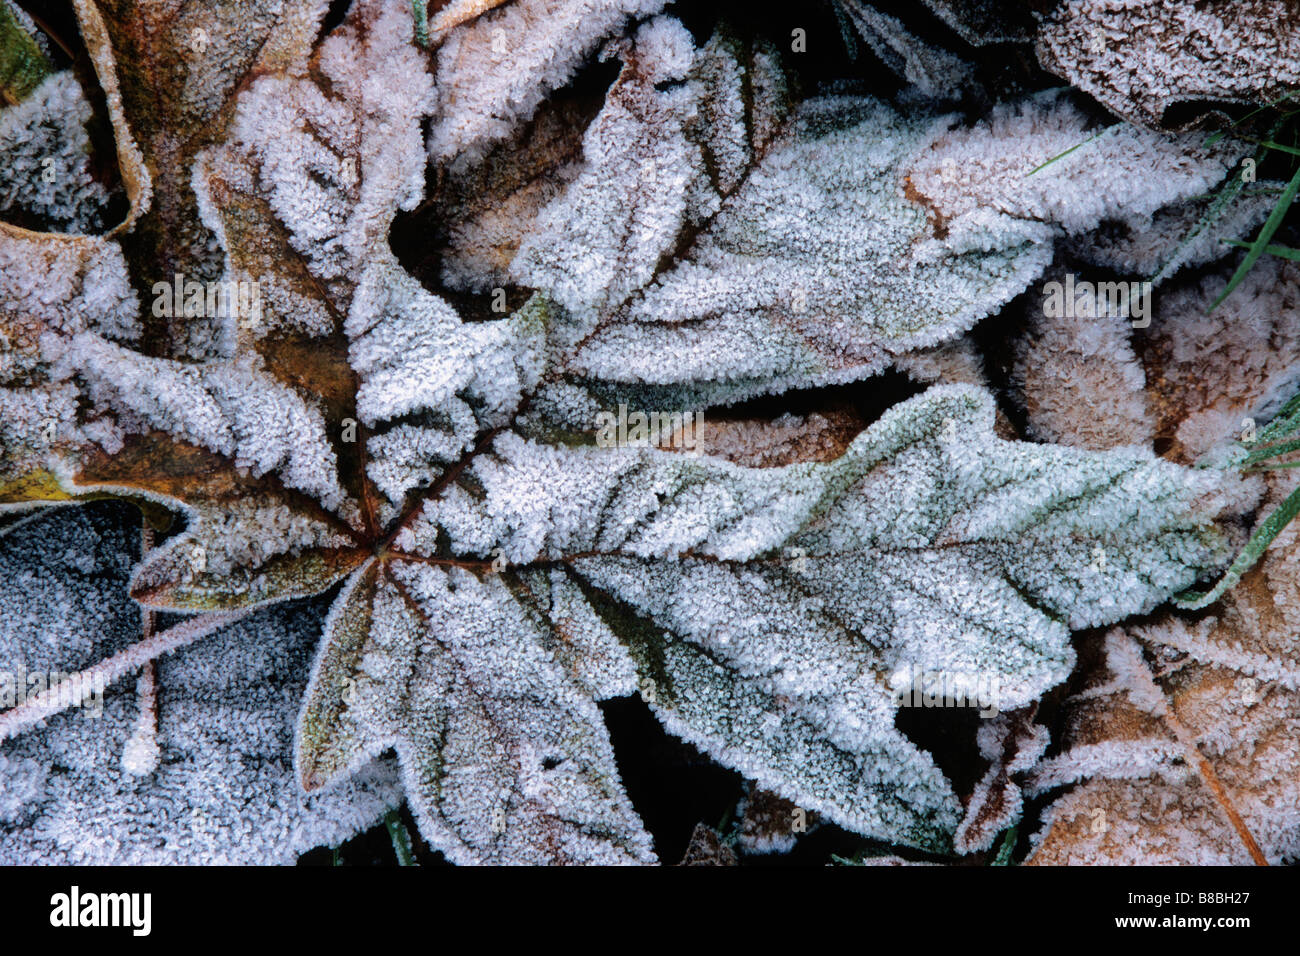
(770, 823)
(1011, 743)
(1213, 375)
(1151, 62)
(707, 849)
(1175, 761)
(171, 72)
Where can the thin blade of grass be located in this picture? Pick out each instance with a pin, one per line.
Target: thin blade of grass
(1049, 162)
(1284, 424)
(1268, 529)
(1215, 137)
(401, 839)
(1282, 252)
(1223, 199)
(1273, 450)
(1008, 845)
(420, 14)
(1270, 144)
(1257, 247)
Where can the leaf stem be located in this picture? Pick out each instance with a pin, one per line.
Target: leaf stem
(60, 697)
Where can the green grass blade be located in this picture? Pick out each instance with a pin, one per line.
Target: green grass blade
(1273, 450)
(1223, 199)
(1042, 166)
(1282, 252)
(1268, 529)
(1261, 241)
(401, 839)
(1215, 137)
(1284, 424)
(1008, 845)
(1270, 144)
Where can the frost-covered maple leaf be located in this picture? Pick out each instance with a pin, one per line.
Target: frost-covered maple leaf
(715, 239)
(492, 583)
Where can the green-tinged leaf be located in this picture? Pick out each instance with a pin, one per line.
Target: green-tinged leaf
(23, 64)
(504, 757)
(713, 260)
(929, 544)
(427, 460)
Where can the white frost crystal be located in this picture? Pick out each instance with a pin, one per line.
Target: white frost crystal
(46, 169)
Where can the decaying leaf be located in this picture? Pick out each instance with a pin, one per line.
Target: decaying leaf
(52, 288)
(1214, 376)
(1193, 766)
(493, 71)
(1068, 367)
(707, 849)
(1012, 744)
(770, 824)
(1147, 61)
(1036, 169)
(932, 71)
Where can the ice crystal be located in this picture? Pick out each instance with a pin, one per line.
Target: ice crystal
(46, 149)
